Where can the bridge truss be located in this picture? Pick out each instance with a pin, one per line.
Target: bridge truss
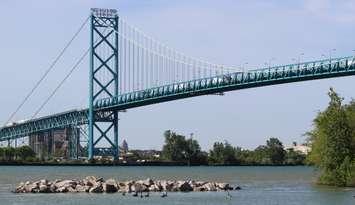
(128, 69)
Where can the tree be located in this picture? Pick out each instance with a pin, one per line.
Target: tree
(25, 152)
(9, 153)
(294, 157)
(331, 141)
(223, 153)
(192, 151)
(350, 112)
(275, 151)
(174, 147)
(178, 148)
(261, 155)
(1, 153)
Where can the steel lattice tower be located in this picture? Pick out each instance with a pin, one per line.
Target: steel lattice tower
(103, 80)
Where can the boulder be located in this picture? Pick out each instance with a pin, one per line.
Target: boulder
(200, 183)
(20, 188)
(90, 181)
(175, 186)
(167, 185)
(124, 189)
(43, 188)
(137, 187)
(52, 188)
(62, 189)
(199, 188)
(184, 186)
(100, 179)
(155, 187)
(210, 186)
(128, 186)
(110, 186)
(82, 188)
(148, 182)
(97, 188)
(224, 186)
(71, 189)
(31, 188)
(66, 183)
(43, 181)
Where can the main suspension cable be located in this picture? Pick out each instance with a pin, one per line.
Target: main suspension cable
(61, 83)
(82, 57)
(47, 71)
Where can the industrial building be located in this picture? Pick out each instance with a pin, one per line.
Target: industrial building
(56, 143)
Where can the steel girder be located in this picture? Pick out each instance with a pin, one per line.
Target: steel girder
(60, 120)
(240, 80)
(70, 118)
(256, 78)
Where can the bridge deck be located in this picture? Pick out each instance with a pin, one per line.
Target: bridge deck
(233, 81)
(17, 130)
(222, 83)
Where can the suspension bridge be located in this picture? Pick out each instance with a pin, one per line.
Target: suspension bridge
(129, 69)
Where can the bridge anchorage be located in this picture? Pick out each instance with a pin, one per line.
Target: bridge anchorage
(129, 69)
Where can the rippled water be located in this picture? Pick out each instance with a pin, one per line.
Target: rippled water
(260, 185)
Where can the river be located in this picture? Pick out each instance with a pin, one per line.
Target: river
(260, 185)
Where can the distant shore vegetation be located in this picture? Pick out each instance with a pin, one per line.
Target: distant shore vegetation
(23, 153)
(181, 149)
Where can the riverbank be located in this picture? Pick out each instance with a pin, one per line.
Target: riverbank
(147, 163)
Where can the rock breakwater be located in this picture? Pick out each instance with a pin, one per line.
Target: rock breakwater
(92, 184)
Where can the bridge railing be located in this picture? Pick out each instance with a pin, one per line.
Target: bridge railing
(237, 80)
(226, 82)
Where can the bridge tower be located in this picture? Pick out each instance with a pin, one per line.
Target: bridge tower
(103, 126)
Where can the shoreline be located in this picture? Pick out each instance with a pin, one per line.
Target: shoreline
(157, 164)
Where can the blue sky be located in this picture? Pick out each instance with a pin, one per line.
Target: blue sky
(225, 32)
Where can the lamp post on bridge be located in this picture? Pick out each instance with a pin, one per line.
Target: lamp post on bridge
(330, 54)
(299, 58)
(243, 66)
(271, 59)
(294, 60)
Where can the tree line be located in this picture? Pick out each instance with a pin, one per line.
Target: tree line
(178, 148)
(333, 142)
(23, 153)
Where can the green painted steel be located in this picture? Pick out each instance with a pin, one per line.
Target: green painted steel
(103, 109)
(60, 120)
(235, 81)
(104, 29)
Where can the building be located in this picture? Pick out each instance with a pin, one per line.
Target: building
(124, 146)
(303, 148)
(57, 143)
